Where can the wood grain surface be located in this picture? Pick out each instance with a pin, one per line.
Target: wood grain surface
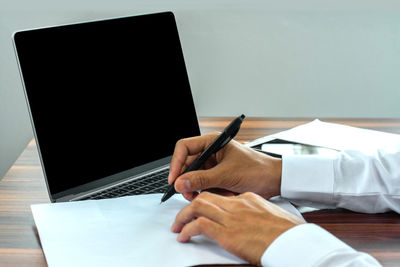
(23, 185)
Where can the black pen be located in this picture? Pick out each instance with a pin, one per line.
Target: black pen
(227, 135)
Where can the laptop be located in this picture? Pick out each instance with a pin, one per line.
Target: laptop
(108, 100)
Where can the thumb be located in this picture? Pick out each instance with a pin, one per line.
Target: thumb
(198, 180)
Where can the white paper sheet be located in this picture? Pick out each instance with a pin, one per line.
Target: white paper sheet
(336, 136)
(127, 231)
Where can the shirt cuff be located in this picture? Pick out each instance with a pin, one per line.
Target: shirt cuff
(303, 245)
(308, 178)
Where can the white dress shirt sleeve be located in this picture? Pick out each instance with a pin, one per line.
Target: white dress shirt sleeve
(308, 245)
(352, 180)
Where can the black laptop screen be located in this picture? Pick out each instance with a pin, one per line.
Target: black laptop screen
(105, 96)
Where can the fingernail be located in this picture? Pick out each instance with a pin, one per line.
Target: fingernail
(181, 238)
(188, 188)
(173, 228)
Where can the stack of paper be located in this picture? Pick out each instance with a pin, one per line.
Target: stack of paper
(336, 136)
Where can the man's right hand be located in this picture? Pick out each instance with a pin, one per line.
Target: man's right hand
(235, 168)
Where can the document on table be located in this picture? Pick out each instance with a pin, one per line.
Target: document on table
(336, 136)
(126, 231)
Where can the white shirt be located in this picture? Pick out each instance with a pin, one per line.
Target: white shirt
(352, 180)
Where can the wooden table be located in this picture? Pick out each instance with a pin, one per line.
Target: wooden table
(24, 185)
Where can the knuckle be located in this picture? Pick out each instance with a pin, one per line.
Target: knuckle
(201, 199)
(204, 194)
(179, 143)
(250, 195)
(211, 136)
(242, 204)
(196, 203)
(201, 181)
(202, 222)
(215, 133)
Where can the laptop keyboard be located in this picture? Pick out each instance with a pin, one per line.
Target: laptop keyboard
(153, 183)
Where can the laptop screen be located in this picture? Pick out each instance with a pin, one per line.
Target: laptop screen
(105, 96)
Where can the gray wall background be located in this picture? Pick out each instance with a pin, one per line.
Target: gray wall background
(293, 58)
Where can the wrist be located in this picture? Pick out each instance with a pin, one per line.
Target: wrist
(277, 174)
(272, 173)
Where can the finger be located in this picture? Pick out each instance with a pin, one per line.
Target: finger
(211, 162)
(200, 180)
(189, 160)
(184, 148)
(200, 226)
(190, 195)
(205, 205)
